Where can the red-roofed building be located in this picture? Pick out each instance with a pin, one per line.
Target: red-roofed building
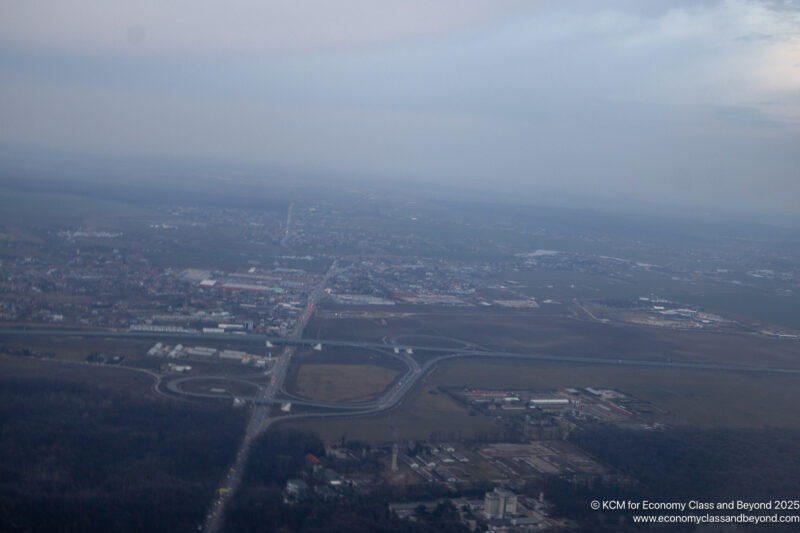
(313, 463)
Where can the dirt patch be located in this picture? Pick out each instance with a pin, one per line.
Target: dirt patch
(343, 383)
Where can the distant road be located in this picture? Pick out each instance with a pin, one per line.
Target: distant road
(261, 420)
(288, 231)
(296, 341)
(250, 338)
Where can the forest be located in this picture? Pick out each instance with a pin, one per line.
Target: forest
(75, 457)
(280, 455)
(679, 465)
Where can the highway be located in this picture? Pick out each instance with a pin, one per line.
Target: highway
(394, 396)
(250, 338)
(274, 392)
(259, 418)
(298, 341)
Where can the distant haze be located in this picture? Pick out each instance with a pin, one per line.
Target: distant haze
(694, 103)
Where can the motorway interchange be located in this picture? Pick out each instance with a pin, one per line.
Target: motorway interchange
(273, 392)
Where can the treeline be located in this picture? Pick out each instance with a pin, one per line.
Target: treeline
(74, 457)
(280, 455)
(679, 465)
(261, 509)
(713, 465)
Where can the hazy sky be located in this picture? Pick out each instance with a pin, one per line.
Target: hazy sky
(695, 102)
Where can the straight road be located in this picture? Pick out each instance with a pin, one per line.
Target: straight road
(294, 341)
(288, 231)
(260, 417)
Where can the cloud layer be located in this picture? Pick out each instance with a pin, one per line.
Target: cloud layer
(693, 102)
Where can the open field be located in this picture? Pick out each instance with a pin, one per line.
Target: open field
(345, 355)
(213, 385)
(342, 383)
(344, 369)
(426, 414)
(412, 323)
(562, 335)
(101, 376)
(742, 300)
(699, 398)
(431, 341)
(76, 348)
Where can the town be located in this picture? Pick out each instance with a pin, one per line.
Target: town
(309, 317)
